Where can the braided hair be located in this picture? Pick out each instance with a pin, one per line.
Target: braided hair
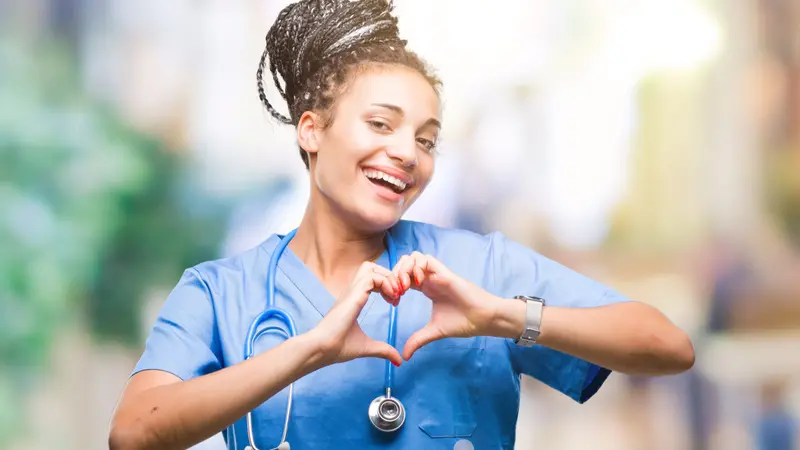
(315, 45)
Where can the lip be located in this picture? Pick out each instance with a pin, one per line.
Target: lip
(386, 193)
(397, 173)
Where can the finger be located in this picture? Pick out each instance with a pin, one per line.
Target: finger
(369, 278)
(394, 283)
(383, 350)
(384, 287)
(420, 338)
(397, 288)
(390, 288)
(433, 269)
(419, 276)
(400, 264)
(406, 268)
(379, 282)
(366, 268)
(401, 270)
(405, 281)
(420, 267)
(375, 269)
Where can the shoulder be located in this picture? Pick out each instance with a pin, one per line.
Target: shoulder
(219, 275)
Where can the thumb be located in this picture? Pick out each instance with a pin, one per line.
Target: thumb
(383, 350)
(422, 337)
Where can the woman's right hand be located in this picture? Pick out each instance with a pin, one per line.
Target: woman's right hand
(338, 333)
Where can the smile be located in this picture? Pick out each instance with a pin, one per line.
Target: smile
(386, 180)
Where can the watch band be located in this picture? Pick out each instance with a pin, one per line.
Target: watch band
(533, 320)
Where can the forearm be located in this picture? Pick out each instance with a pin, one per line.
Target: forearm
(181, 414)
(630, 337)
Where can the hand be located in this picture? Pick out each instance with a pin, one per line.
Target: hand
(340, 336)
(460, 308)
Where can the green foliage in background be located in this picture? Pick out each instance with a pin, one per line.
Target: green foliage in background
(91, 217)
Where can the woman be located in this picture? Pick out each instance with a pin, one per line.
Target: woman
(367, 115)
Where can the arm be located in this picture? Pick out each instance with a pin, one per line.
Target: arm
(158, 411)
(628, 337)
(588, 329)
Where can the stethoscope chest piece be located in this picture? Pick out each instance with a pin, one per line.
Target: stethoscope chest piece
(387, 413)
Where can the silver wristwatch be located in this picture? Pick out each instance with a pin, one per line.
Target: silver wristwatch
(533, 320)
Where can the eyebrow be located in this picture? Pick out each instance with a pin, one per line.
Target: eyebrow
(432, 121)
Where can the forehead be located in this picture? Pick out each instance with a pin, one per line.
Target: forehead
(395, 85)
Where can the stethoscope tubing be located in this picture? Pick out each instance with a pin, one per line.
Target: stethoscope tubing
(392, 335)
(271, 311)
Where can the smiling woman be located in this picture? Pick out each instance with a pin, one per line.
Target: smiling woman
(469, 310)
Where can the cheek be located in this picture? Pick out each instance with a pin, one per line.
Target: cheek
(425, 172)
(337, 168)
(330, 176)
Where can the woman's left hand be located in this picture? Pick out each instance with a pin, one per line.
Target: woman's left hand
(460, 307)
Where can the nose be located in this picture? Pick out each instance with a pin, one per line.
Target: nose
(404, 151)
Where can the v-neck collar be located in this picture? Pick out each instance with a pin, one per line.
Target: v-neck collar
(307, 282)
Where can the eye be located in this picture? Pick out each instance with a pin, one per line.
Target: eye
(379, 125)
(427, 144)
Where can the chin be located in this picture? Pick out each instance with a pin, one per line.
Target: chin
(378, 218)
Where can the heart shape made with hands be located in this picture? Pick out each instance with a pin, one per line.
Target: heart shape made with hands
(460, 309)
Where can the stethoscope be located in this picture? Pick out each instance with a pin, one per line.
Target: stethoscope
(385, 412)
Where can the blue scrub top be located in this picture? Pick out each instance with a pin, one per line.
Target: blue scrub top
(453, 389)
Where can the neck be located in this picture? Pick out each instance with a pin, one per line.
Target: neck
(331, 248)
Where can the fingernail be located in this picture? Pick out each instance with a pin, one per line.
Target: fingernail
(395, 364)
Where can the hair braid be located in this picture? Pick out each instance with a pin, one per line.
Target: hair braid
(262, 94)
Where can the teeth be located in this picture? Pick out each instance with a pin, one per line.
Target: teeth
(378, 175)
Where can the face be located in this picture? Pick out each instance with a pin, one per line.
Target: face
(377, 155)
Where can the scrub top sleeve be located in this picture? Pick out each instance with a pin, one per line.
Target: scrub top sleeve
(184, 340)
(518, 270)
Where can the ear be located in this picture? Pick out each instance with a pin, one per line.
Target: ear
(308, 131)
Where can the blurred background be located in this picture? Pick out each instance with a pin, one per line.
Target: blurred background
(651, 144)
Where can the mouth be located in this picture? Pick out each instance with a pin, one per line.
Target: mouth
(384, 180)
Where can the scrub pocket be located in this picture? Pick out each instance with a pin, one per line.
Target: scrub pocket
(452, 376)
